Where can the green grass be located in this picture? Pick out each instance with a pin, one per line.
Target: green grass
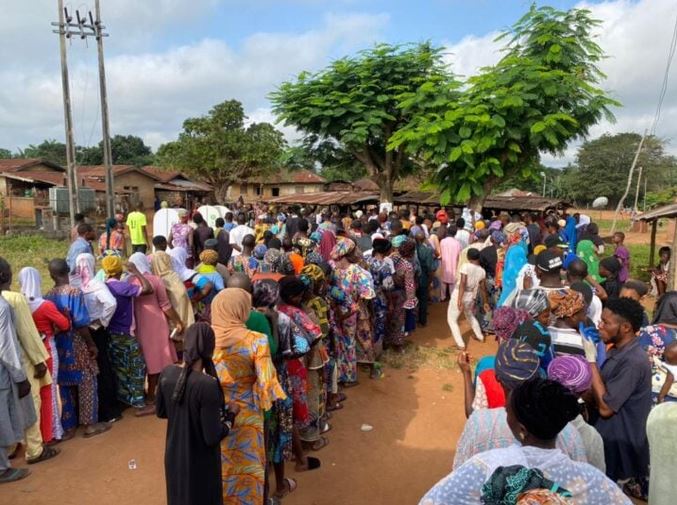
(415, 356)
(31, 251)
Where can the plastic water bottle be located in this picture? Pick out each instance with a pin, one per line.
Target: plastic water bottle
(132, 464)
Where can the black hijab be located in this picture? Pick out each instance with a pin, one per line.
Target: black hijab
(198, 344)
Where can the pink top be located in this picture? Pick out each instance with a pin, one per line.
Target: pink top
(450, 250)
(152, 329)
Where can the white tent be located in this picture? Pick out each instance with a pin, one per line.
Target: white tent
(163, 220)
(223, 210)
(210, 214)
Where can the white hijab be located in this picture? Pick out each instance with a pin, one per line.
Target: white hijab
(31, 287)
(141, 262)
(179, 257)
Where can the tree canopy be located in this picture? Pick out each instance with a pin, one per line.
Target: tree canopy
(125, 150)
(542, 94)
(356, 102)
(221, 150)
(328, 157)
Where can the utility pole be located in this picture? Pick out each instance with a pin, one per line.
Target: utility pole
(107, 154)
(639, 180)
(74, 206)
(83, 29)
(627, 188)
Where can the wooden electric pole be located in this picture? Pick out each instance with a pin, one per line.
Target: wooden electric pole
(627, 188)
(74, 204)
(639, 180)
(84, 29)
(107, 153)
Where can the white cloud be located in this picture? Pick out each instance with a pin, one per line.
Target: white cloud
(151, 93)
(635, 36)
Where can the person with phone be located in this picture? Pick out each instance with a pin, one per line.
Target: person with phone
(189, 396)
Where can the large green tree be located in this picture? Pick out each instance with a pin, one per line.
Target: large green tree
(357, 103)
(125, 150)
(49, 149)
(602, 165)
(542, 94)
(328, 157)
(219, 149)
(5, 154)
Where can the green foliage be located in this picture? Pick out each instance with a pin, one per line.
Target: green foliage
(50, 150)
(332, 160)
(221, 150)
(357, 102)
(602, 168)
(537, 98)
(5, 154)
(32, 251)
(661, 197)
(125, 150)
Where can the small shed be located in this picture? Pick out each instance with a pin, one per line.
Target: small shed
(665, 212)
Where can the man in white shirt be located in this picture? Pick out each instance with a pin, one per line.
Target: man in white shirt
(238, 233)
(462, 235)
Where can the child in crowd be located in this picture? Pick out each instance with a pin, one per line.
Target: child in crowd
(622, 254)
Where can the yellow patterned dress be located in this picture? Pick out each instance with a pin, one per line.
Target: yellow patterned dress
(247, 377)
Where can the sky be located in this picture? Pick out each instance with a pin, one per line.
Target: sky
(167, 60)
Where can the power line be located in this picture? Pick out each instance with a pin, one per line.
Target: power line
(664, 86)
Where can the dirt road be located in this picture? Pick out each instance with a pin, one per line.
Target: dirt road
(417, 415)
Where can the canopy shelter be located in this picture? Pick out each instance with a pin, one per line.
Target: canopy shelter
(496, 203)
(665, 212)
(326, 198)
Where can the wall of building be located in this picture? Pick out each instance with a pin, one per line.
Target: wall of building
(143, 187)
(254, 191)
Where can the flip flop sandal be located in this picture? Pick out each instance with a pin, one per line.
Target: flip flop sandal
(47, 453)
(313, 463)
(14, 474)
(290, 485)
(98, 430)
(326, 428)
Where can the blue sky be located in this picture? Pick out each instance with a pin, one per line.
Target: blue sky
(171, 59)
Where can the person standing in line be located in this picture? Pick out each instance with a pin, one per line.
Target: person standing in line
(181, 235)
(238, 234)
(424, 254)
(190, 398)
(17, 412)
(462, 235)
(201, 234)
(125, 352)
(112, 241)
(77, 358)
(101, 306)
(34, 357)
(622, 390)
(81, 245)
(450, 250)
(464, 298)
(138, 231)
(622, 254)
(47, 320)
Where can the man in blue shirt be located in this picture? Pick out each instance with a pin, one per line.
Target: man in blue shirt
(80, 245)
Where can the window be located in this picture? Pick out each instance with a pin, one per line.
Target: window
(276, 191)
(258, 190)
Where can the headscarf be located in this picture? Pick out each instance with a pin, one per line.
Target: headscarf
(313, 272)
(266, 293)
(537, 337)
(260, 251)
(112, 266)
(304, 245)
(230, 311)
(31, 287)
(496, 225)
(666, 309)
(141, 262)
(506, 320)
(291, 287)
(539, 249)
(516, 362)
(327, 244)
(586, 251)
(566, 302)
(407, 248)
(179, 257)
(534, 301)
(209, 257)
(515, 259)
(344, 246)
(271, 261)
(297, 262)
(197, 344)
(583, 221)
(611, 264)
(508, 485)
(84, 267)
(498, 237)
(314, 258)
(572, 372)
(398, 240)
(542, 497)
(480, 225)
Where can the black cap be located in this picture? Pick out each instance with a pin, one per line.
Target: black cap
(554, 241)
(548, 261)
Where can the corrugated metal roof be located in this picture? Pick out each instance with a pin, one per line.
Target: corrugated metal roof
(326, 198)
(528, 203)
(19, 164)
(661, 212)
(52, 178)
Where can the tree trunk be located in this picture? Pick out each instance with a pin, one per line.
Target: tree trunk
(385, 185)
(221, 192)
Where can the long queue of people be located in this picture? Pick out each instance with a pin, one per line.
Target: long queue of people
(248, 336)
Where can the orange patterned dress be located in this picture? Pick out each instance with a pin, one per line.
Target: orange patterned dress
(248, 377)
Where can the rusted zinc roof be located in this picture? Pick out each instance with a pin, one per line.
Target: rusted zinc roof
(326, 198)
(660, 212)
(528, 203)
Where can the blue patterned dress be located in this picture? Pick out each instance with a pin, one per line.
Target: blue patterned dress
(382, 271)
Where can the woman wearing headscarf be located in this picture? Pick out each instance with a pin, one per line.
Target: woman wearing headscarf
(151, 312)
(181, 235)
(161, 265)
(112, 241)
(327, 242)
(574, 373)
(190, 398)
(403, 295)
(609, 270)
(382, 271)
(352, 291)
(515, 259)
(101, 306)
(247, 377)
(585, 250)
(538, 411)
(197, 286)
(207, 268)
(568, 307)
(48, 320)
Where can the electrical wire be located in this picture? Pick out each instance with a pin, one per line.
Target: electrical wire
(666, 76)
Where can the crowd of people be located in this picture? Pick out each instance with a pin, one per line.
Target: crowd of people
(248, 335)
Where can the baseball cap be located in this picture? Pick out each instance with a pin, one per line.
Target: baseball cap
(548, 261)
(442, 216)
(554, 241)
